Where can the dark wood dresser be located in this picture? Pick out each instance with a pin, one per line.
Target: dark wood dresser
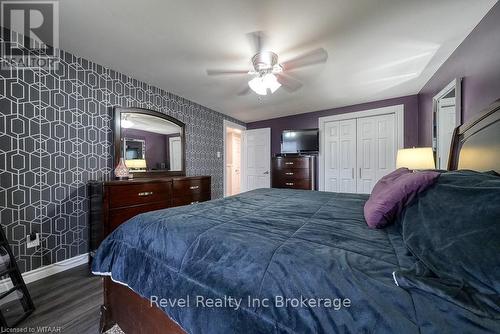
(114, 202)
(296, 172)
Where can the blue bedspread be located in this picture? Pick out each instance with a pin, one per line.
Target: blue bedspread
(277, 245)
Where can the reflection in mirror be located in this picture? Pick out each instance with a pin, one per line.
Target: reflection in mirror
(446, 117)
(150, 143)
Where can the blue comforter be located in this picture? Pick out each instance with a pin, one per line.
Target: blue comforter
(297, 262)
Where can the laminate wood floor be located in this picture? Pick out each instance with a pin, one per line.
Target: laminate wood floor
(69, 300)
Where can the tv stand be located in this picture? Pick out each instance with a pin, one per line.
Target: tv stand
(295, 171)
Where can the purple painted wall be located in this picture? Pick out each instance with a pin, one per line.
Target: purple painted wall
(477, 61)
(310, 120)
(156, 146)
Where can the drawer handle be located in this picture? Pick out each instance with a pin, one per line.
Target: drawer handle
(288, 163)
(289, 173)
(145, 193)
(194, 187)
(289, 183)
(194, 202)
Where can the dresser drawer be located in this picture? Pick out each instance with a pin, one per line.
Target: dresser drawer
(191, 199)
(294, 174)
(119, 216)
(293, 184)
(188, 187)
(136, 194)
(291, 163)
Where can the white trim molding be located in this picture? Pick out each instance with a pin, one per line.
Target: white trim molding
(229, 124)
(46, 271)
(397, 110)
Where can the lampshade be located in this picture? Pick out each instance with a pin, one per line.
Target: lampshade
(415, 158)
(136, 163)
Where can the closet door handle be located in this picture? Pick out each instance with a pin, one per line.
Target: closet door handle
(360, 173)
(352, 172)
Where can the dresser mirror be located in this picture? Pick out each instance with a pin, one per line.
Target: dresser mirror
(150, 143)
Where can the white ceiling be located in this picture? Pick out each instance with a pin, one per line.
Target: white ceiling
(377, 49)
(151, 124)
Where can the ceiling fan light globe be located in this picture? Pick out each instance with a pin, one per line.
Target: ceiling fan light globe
(271, 82)
(257, 85)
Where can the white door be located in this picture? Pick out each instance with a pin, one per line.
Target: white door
(236, 166)
(376, 150)
(256, 159)
(446, 120)
(175, 153)
(340, 156)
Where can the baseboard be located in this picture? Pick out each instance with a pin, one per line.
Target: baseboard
(46, 271)
(51, 269)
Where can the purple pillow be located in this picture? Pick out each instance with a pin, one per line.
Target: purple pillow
(393, 192)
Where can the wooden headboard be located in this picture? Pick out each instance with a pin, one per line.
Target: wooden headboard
(476, 145)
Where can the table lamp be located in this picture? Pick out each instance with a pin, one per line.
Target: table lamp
(416, 158)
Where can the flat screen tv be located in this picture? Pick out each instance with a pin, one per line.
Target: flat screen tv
(299, 141)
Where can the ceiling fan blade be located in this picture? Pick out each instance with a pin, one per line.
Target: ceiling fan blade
(257, 41)
(288, 83)
(244, 91)
(226, 72)
(317, 56)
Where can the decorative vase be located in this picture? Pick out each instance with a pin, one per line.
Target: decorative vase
(121, 171)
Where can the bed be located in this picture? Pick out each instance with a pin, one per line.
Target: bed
(293, 261)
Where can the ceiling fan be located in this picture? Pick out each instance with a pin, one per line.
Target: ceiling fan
(268, 74)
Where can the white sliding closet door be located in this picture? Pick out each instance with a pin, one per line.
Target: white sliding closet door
(332, 160)
(376, 150)
(359, 148)
(340, 164)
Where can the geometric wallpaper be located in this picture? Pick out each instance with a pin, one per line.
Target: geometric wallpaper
(55, 135)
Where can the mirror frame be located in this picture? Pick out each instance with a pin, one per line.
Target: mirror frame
(117, 115)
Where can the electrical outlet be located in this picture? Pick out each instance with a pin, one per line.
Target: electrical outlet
(33, 242)
(218, 154)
